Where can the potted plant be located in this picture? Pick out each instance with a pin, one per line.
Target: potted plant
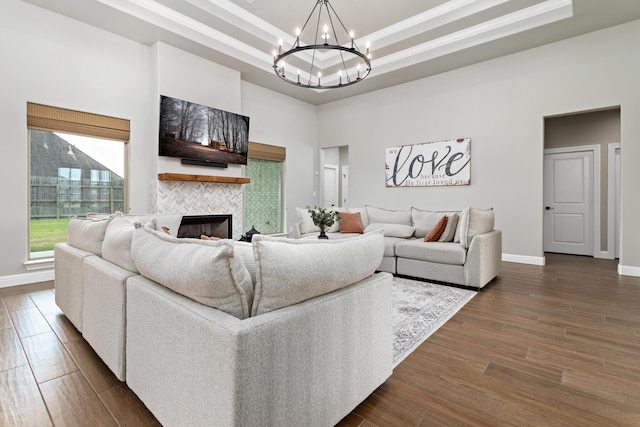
(323, 218)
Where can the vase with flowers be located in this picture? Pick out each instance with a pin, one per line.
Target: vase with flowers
(323, 218)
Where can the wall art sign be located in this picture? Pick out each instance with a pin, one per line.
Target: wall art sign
(429, 164)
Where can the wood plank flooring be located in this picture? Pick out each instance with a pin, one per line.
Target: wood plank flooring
(539, 346)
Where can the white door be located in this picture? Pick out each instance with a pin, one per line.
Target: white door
(345, 186)
(568, 203)
(331, 182)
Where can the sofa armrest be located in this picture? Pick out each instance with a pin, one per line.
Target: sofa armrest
(307, 364)
(484, 258)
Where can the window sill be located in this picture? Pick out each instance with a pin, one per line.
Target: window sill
(39, 264)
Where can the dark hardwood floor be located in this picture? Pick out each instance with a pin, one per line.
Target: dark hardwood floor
(540, 346)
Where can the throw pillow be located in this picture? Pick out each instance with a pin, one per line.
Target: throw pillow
(306, 223)
(392, 230)
(289, 271)
(450, 230)
(424, 221)
(351, 223)
(336, 225)
(205, 271)
(88, 233)
(479, 221)
(434, 234)
(385, 216)
(463, 221)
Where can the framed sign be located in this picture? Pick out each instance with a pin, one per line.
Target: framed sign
(429, 164)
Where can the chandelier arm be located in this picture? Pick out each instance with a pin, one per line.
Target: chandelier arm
(337, 17)
(309, 17)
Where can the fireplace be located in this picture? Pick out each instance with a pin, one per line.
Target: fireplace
(218, 225)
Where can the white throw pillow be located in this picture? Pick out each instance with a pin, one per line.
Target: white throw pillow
(392, 230)
(88, 233)
(450, 230)
(386, 216)
(289, 271)
(306, 223)
(203, 270)
(477, 221)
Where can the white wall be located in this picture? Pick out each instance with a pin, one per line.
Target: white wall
(501, 105)
(53, 60)
(279, 120)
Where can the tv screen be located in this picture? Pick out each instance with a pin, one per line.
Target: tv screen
(193, 131)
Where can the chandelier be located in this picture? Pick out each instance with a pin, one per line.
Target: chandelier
(325, 63)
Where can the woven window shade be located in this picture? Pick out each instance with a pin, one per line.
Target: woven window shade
(54, 119)
(267, 152)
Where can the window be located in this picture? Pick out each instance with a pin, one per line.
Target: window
(263, 196)
(76, 167)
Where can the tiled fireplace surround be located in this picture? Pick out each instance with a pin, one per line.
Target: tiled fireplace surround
(200, 198)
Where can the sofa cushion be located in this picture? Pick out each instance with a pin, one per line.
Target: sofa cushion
(169, 221)
(391, 230)
(476, 221)
(439, 252)
(203, 270)
(293, 270)
(116, 246)
(386, 216)
(450, 230)
(88, 233)
(434, 234)
(424, 221)
(351, 222)
(390, 245)
(244, 250)
(306, 223)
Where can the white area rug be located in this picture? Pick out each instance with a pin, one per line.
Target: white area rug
(419, 309)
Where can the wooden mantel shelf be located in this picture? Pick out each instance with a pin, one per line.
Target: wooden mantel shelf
(202, 178)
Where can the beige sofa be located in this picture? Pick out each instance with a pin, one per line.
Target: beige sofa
(468, 252)
(279, 332)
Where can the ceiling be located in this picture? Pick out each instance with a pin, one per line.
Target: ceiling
(410, 39)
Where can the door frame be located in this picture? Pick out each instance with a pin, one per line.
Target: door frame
(613, 214)
(595, 149)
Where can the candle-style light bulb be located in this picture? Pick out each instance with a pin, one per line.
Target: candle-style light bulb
(351, 35)
(297, 36)
(279, 46)
(275, 53)
(368, 45)
(319, 75)
(358, 70)
(298, 75)
(340, 76)
(325, 36)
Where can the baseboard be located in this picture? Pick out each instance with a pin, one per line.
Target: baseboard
(627, 270)
(522, 259)
(26, 278)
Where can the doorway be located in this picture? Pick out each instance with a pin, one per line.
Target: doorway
(593, 131)
(334, 178)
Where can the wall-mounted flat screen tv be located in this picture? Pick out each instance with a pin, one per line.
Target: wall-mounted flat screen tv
(197, 132)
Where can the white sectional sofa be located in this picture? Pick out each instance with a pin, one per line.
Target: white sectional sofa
(278, 332)
(468, 251)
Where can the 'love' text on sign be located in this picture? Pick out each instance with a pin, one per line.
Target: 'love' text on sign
(430, 164)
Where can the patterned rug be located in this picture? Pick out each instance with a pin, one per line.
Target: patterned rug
(419, 309)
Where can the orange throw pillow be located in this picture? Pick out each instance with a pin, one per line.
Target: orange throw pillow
(437, 230)
(351, 222)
